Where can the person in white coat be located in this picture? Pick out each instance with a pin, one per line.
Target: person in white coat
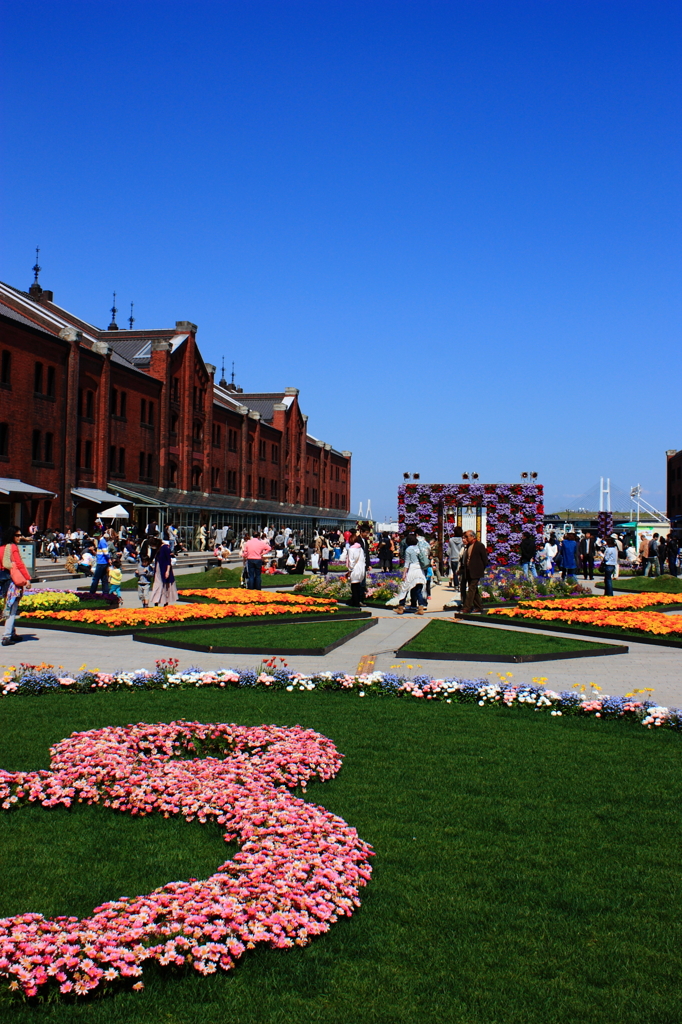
(413, 577)
(548, 554)
(356, 564)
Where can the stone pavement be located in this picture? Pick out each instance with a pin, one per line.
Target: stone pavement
(645, 665)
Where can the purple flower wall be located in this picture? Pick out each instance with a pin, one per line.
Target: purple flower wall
(510, 509)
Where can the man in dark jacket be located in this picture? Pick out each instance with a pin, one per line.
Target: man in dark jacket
(587, 549)
(474, 563)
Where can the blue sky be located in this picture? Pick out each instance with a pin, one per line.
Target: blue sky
(454, 226)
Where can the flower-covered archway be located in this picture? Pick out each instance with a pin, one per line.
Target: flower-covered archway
(509, 510)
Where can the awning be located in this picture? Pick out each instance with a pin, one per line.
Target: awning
(8, 485)
(97, 497)
(143, 500)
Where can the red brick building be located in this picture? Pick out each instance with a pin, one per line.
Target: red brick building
(92, 417)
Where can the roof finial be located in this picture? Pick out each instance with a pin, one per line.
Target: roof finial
(233, 373)
(131, 318)
(113, 326)
(35, 291)
(222, 382)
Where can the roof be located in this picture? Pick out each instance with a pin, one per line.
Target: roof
(226, 503)
(12, 314)
(263, 403)
(46, 314)
(137, 351)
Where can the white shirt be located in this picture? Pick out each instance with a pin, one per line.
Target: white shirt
(356, 563)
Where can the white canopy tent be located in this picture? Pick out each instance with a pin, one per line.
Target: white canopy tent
(115, 512)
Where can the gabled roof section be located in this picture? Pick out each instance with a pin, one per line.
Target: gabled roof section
(12, 314)
(44, 314)
(228, 399)
(263, 402)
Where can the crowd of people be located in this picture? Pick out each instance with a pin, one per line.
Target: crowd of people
(577, 553)
(102, 555)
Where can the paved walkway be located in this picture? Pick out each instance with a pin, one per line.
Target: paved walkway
(645, 665)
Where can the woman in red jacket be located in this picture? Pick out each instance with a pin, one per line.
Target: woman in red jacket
(12, 566)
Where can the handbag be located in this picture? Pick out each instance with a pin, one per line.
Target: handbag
(9, 567)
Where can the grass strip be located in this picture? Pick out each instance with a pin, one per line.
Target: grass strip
(647, 584)
(581, 629)
(527, 867)
(219, 578)
(229, 622)
(308, 638)
(457, 641)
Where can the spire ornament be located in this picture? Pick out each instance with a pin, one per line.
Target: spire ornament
(113, 326)
(131, 318)
(35, 291)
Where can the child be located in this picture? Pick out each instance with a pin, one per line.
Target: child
(115, 578)
(144, 579)
(428, 572)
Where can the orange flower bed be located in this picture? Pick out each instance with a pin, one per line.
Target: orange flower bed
(126, 617)
(646, 622)
(230, 595)
(619, 602)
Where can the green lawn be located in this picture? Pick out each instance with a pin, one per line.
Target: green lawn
(527, 868)
(458, 638)
(217, 578)
(292, 636)
(648, 584)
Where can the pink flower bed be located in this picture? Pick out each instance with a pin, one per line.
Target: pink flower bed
(298, 868)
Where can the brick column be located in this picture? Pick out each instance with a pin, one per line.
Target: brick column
(159, 368)
(102, 418)
(74, 337)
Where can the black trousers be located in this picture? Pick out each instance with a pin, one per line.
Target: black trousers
(588, 567)
(471, 596)
(357, 592)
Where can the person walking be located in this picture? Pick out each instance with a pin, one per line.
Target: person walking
(652, 557)
(102, 563)
(164, 589)
(673, 551)
(13, 578)
(414, 580)
(252, 553)
(587, 548)
(528, 552)
(474, 564)
(385, 553)
(568, 551)
(548, 554)
(454, 550)
(662, 554)
(610, 564)
(357, 567)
